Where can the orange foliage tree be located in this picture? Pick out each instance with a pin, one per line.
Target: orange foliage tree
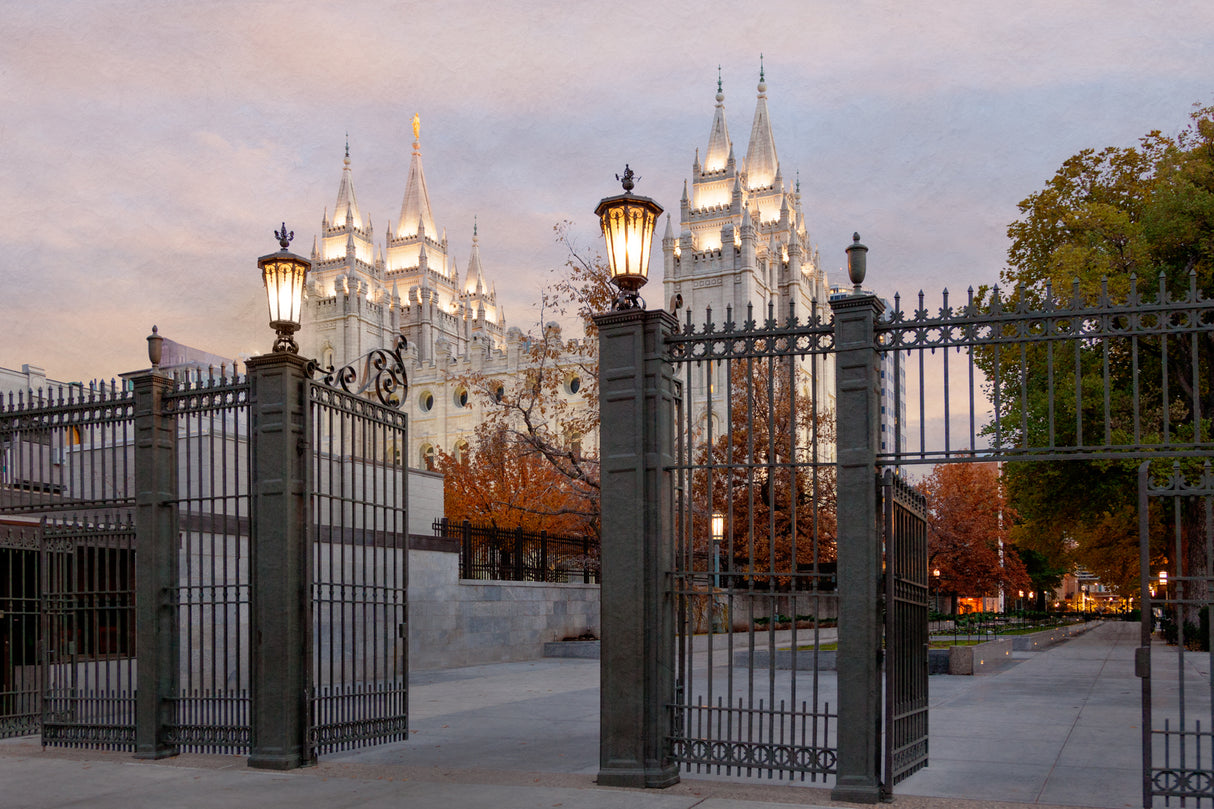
(776, 493)
(497, 482)
(538, 444)
(968, 521)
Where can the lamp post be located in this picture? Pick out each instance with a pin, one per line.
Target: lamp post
(283, 274)
(280, 583)
(628, 222)
(936, 576)
(718, 533)
(637, 395)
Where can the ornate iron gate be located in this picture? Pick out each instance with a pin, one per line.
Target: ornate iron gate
(359, 535)
(71, 462)
(906, 629)
(753, 581)
(1177, 691)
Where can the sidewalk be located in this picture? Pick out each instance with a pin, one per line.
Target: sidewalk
(1057, 728)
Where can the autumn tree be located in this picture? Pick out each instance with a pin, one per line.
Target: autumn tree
(1109, 222)
(495, 483)
(967, 540)
(764, 476)
(543, 421)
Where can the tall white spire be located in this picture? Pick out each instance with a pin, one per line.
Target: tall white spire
(719, 145)
(346, 209)
(474, 283)
(762, 164)
(415, 208)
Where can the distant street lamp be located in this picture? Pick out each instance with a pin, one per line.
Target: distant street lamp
(718, 533)
(628, 223)
(284, 274)
(936, 576)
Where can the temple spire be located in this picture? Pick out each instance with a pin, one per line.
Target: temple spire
(415, 208)
(475, 278)
(719, 145)
(762, 164)
(346, 209)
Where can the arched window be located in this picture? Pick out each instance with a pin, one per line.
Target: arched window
(427, 457)
(461, 450)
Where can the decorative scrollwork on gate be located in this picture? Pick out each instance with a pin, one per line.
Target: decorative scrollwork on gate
(381, 372)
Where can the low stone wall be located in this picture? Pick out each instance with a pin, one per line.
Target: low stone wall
(980, 657)
(454, 622)
(1048, 637)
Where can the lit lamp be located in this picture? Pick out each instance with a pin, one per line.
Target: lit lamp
(718, 534)
(284, 273)
(628, 223)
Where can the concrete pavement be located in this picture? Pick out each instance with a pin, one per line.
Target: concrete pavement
(1058, 727)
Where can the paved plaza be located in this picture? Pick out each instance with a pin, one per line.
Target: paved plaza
(1058, 727)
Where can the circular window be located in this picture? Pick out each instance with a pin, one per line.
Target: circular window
(426, 401)
(461, 397)
(573, 384)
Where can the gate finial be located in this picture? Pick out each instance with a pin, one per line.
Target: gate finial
(857, 261)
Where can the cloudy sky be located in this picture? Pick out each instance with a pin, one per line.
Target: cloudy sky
(149, 149)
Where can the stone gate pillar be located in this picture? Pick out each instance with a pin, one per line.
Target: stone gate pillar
(280, 581)
(156, 565)
(636, 449)
(858, 409)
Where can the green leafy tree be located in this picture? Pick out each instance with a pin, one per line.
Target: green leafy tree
(1113, 222)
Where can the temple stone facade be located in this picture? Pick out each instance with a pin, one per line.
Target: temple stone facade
(742, 247)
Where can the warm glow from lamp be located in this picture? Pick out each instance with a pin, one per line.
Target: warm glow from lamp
(1163, 578)
(628, 223)
(284, 274)
(718, 525)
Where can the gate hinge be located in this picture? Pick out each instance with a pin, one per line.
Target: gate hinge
(1142, 662)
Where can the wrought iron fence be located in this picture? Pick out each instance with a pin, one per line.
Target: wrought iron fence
(754, 536)
(513, 554)
(20, 613)
(67, 459)
(906, 630)
(358, 562)
(70, 465)
(211, 708)
(1083, 376)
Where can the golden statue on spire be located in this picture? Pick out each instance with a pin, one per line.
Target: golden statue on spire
(417, 126)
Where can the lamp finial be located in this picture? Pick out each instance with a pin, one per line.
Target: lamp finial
(628, 179)
(284, 238)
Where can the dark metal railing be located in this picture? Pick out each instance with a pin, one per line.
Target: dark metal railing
(513, 554)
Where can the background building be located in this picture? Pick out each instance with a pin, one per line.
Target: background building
(742, 248)
(742, 242)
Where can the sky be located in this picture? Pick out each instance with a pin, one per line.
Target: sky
(148, 150)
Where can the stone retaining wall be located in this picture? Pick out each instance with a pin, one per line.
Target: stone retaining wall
(454, 622)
